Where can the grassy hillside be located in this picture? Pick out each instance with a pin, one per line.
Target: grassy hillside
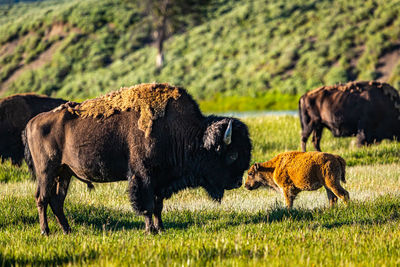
(243, 50)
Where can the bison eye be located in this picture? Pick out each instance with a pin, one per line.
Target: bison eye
(231, 157)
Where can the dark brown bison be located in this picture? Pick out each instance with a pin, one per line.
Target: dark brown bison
(367, 110)
(152, 135)
(15, 112)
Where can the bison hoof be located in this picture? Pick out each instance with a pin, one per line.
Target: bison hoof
(45, 232)
(151, 231)
(67, 231)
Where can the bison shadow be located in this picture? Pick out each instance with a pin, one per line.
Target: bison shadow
(104, 218)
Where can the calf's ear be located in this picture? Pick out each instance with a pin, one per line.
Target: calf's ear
(269, 169)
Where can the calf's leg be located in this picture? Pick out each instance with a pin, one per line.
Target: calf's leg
(331, 196)
(290, 194)
(338, 190)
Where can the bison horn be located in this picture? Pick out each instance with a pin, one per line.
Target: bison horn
(228, 134)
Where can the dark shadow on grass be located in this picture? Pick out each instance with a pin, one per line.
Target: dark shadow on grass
(226, 219)
(103, 218)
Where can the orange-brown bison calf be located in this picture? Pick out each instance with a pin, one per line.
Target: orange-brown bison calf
(294, 171)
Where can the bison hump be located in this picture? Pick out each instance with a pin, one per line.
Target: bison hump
(150, 100)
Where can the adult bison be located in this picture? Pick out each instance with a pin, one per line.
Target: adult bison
(15, 112)
(152, 135)
(367, 110)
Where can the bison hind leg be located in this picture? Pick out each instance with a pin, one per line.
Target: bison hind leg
(316, 139)
(339, 191)
(57, 199)
(42, 201)
(331, 196)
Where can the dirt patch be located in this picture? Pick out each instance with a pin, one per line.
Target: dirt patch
(57, 29)
(9, 48)
(44, 58)
(388, 62)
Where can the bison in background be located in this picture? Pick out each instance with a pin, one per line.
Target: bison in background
(15, 112)
(152, 135)
(368, 110)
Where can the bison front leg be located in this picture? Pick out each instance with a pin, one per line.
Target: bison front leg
(290, 194)
(158, 206)
(361, 138)
(141, 195)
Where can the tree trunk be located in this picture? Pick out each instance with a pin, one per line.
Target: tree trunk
(161, 31)
(160, 38)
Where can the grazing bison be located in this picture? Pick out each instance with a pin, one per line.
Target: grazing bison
(293, 172)
(15, 112)
(368, 110)
(152, 135)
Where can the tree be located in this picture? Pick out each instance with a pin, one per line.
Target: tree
(172, 16)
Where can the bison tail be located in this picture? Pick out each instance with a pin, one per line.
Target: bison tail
(304, 117)
(27, 154)
(302, 114)
(343, 165)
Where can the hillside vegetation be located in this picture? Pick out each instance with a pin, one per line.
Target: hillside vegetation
(270, 50)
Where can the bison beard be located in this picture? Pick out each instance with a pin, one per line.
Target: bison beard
(183, 149)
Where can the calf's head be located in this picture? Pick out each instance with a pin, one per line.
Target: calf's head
(259, 175)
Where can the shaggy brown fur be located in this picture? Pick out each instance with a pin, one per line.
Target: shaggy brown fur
(363, 86)
(149, 99)
(293, 172)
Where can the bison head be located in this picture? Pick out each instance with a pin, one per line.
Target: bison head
(259, 175)
(228, 147)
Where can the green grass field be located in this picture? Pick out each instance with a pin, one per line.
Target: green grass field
(248, 228)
